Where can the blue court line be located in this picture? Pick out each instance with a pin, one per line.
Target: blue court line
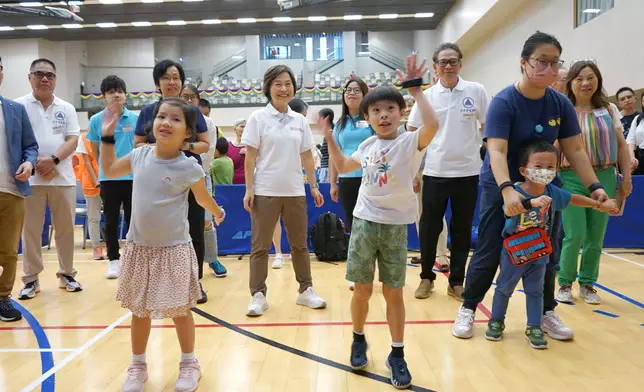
(606, 313)
(413, 265)
(46, 358)
(620, 295)
(303, 354)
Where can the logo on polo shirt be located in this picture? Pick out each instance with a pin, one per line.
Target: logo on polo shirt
(468, 103)
(59, 123)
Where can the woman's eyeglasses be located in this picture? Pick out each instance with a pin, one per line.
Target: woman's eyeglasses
(354, 91)
(543, 64)
(188, 97)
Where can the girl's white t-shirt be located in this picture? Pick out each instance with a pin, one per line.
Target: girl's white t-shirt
(280, 138)
(388, 169)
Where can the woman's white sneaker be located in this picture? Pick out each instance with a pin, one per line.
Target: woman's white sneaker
(555, 327)
(565, 294)
(257, 305)
(113, 269)
(311, 299)
(589, 294)
(278, 263)
(464, 323)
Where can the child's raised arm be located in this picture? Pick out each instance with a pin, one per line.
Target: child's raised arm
(112, 166)
(414, 73)
(342, 163)
(204, 199)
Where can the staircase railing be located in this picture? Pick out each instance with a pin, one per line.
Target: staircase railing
(333, 59)
(385, 58)
(229, 64)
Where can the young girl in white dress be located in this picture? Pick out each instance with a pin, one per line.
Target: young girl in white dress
(159, 277)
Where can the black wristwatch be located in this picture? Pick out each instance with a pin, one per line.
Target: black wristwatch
(527, 203)
(594, 186)
(505, 185)
(55, 158)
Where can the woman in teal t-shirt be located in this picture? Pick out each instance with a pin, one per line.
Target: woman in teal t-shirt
(349, 132)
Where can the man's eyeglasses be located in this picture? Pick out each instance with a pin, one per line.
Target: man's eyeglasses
(188, 97)
(355, 91)
(543, 64)
(40, 75)
(452, 62)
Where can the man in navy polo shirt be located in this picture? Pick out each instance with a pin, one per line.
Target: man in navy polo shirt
(169, 78)
(115, 192)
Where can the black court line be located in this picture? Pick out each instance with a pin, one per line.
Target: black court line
(303, 354)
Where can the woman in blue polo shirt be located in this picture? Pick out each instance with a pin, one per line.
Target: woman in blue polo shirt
(349, 132)
(169, 78)
(523, 112)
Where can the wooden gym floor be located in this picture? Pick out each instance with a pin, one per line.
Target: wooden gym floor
(74, 342)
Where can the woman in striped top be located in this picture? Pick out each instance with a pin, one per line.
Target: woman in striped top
(606, 147)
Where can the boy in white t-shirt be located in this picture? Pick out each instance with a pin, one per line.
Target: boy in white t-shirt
(386, 205)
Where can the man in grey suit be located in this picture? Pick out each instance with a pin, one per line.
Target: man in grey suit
(18, 154)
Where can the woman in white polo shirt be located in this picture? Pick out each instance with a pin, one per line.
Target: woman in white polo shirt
(278, 144)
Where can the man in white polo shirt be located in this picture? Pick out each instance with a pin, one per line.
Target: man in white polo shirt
(451, 168)
(56, 128)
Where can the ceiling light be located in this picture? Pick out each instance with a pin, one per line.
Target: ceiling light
(246, 20)
(296, 44)
(237, 57)
(106, 25)
(388, 16)
(37, 27)
(72, 26)
(364, 53)
(591, 11)
(191, 1)
(317, 18)
(424, 15)
(176, 22)
(211, 21)
(111, 1)
(141, 24)
(151, 1)
(77, 2)
(6, 28)
(31, 4)
(352, 17)
(282, 19)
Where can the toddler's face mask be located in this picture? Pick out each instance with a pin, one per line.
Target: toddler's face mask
(541, 176)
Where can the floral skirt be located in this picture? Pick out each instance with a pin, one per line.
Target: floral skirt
(158, 281)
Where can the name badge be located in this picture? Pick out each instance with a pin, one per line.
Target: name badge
(362, 124)
(600, 112)
(128, 129)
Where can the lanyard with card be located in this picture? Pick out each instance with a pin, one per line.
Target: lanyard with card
(128, 128)
(600, 112)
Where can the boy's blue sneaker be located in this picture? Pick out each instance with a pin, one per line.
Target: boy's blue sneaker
(359, 355)
(218, 269)
(400, 376)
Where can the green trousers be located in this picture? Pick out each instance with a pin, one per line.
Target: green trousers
(583, 226)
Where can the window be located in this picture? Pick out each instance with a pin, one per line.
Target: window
(362, 44)
(309, 47)
(587, 10)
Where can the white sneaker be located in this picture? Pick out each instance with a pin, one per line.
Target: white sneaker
(137, 375)
(257, 305)
(565, 294)
(189, 375)
(589, 294)
(69, 283)
(113, 269)
(311, 299)
(555, 327)
(464, 323)
(352, 286)
(278, 263)
(30, 290)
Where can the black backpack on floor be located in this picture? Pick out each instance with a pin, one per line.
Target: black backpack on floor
(329, 238)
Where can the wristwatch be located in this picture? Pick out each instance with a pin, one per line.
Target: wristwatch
(315, 186)
(55, 158)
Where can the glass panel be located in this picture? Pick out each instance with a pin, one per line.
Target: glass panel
(588, 10)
